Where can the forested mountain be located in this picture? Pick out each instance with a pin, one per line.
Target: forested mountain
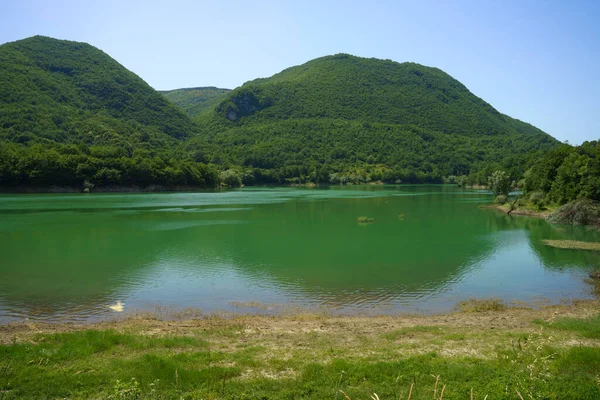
(353, 119)
(70, 113)
(195, 101)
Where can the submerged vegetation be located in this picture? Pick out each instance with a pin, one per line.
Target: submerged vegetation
(572, 244)
(365, 220)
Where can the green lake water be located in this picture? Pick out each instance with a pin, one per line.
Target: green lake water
(264, 250)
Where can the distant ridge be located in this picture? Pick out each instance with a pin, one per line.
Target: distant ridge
(195, 101)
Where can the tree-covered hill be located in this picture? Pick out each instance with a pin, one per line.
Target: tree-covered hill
(365, 118)
(70, 113)
(195, 101)
(72, 92)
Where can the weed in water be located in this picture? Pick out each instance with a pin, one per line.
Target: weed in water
(481, 305)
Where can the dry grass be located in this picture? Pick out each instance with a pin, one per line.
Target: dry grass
(572, 244)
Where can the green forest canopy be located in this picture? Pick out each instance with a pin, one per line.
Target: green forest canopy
(69, 113)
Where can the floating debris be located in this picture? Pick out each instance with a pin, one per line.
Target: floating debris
(118, 307)
(572, 244)
(365, 220)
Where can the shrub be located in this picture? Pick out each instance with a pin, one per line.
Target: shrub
(231, 178)
(501, 199)
(536, 197)
(582, 212)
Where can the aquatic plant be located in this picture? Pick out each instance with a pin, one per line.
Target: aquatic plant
(365, 220)
(481, 305)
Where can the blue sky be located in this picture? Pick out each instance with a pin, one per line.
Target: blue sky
(538, 61)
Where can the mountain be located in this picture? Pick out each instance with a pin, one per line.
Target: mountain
(195, 101)
(72, 116)
(69, 113)
(357, 119)
(60, 90)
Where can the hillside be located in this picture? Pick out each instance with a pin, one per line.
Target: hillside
(366, 119)
(70, 113)
(195, 101)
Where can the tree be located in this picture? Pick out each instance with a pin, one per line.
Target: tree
(499, 183)
(231, 178)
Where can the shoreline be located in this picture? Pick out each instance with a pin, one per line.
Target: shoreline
(57, 189)
(512, 316)
(543, 353)
(102, 189)
(517, 211)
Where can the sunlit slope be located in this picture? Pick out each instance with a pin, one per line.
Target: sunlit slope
(63, 91)
(343, 112)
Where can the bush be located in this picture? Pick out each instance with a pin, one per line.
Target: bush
(579, 212)
(537, 197)
(231, 178)
(502, 199)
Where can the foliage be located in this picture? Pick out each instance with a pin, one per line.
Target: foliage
(89, 166)
(501, 199)
(537, 197)
(231, 178)
(567, 173)
(461, 181)
(499, 183)
(127, 390)
(582, 212)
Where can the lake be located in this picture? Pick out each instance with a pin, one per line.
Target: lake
(68, 257)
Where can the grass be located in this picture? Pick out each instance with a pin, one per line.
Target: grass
(572, 244)
(481, 305)
(305, 357)
(588, 327)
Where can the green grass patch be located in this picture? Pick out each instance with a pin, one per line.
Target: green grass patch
(588, 328)
(109, 364)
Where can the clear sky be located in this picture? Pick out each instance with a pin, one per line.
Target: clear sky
(538, 61)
